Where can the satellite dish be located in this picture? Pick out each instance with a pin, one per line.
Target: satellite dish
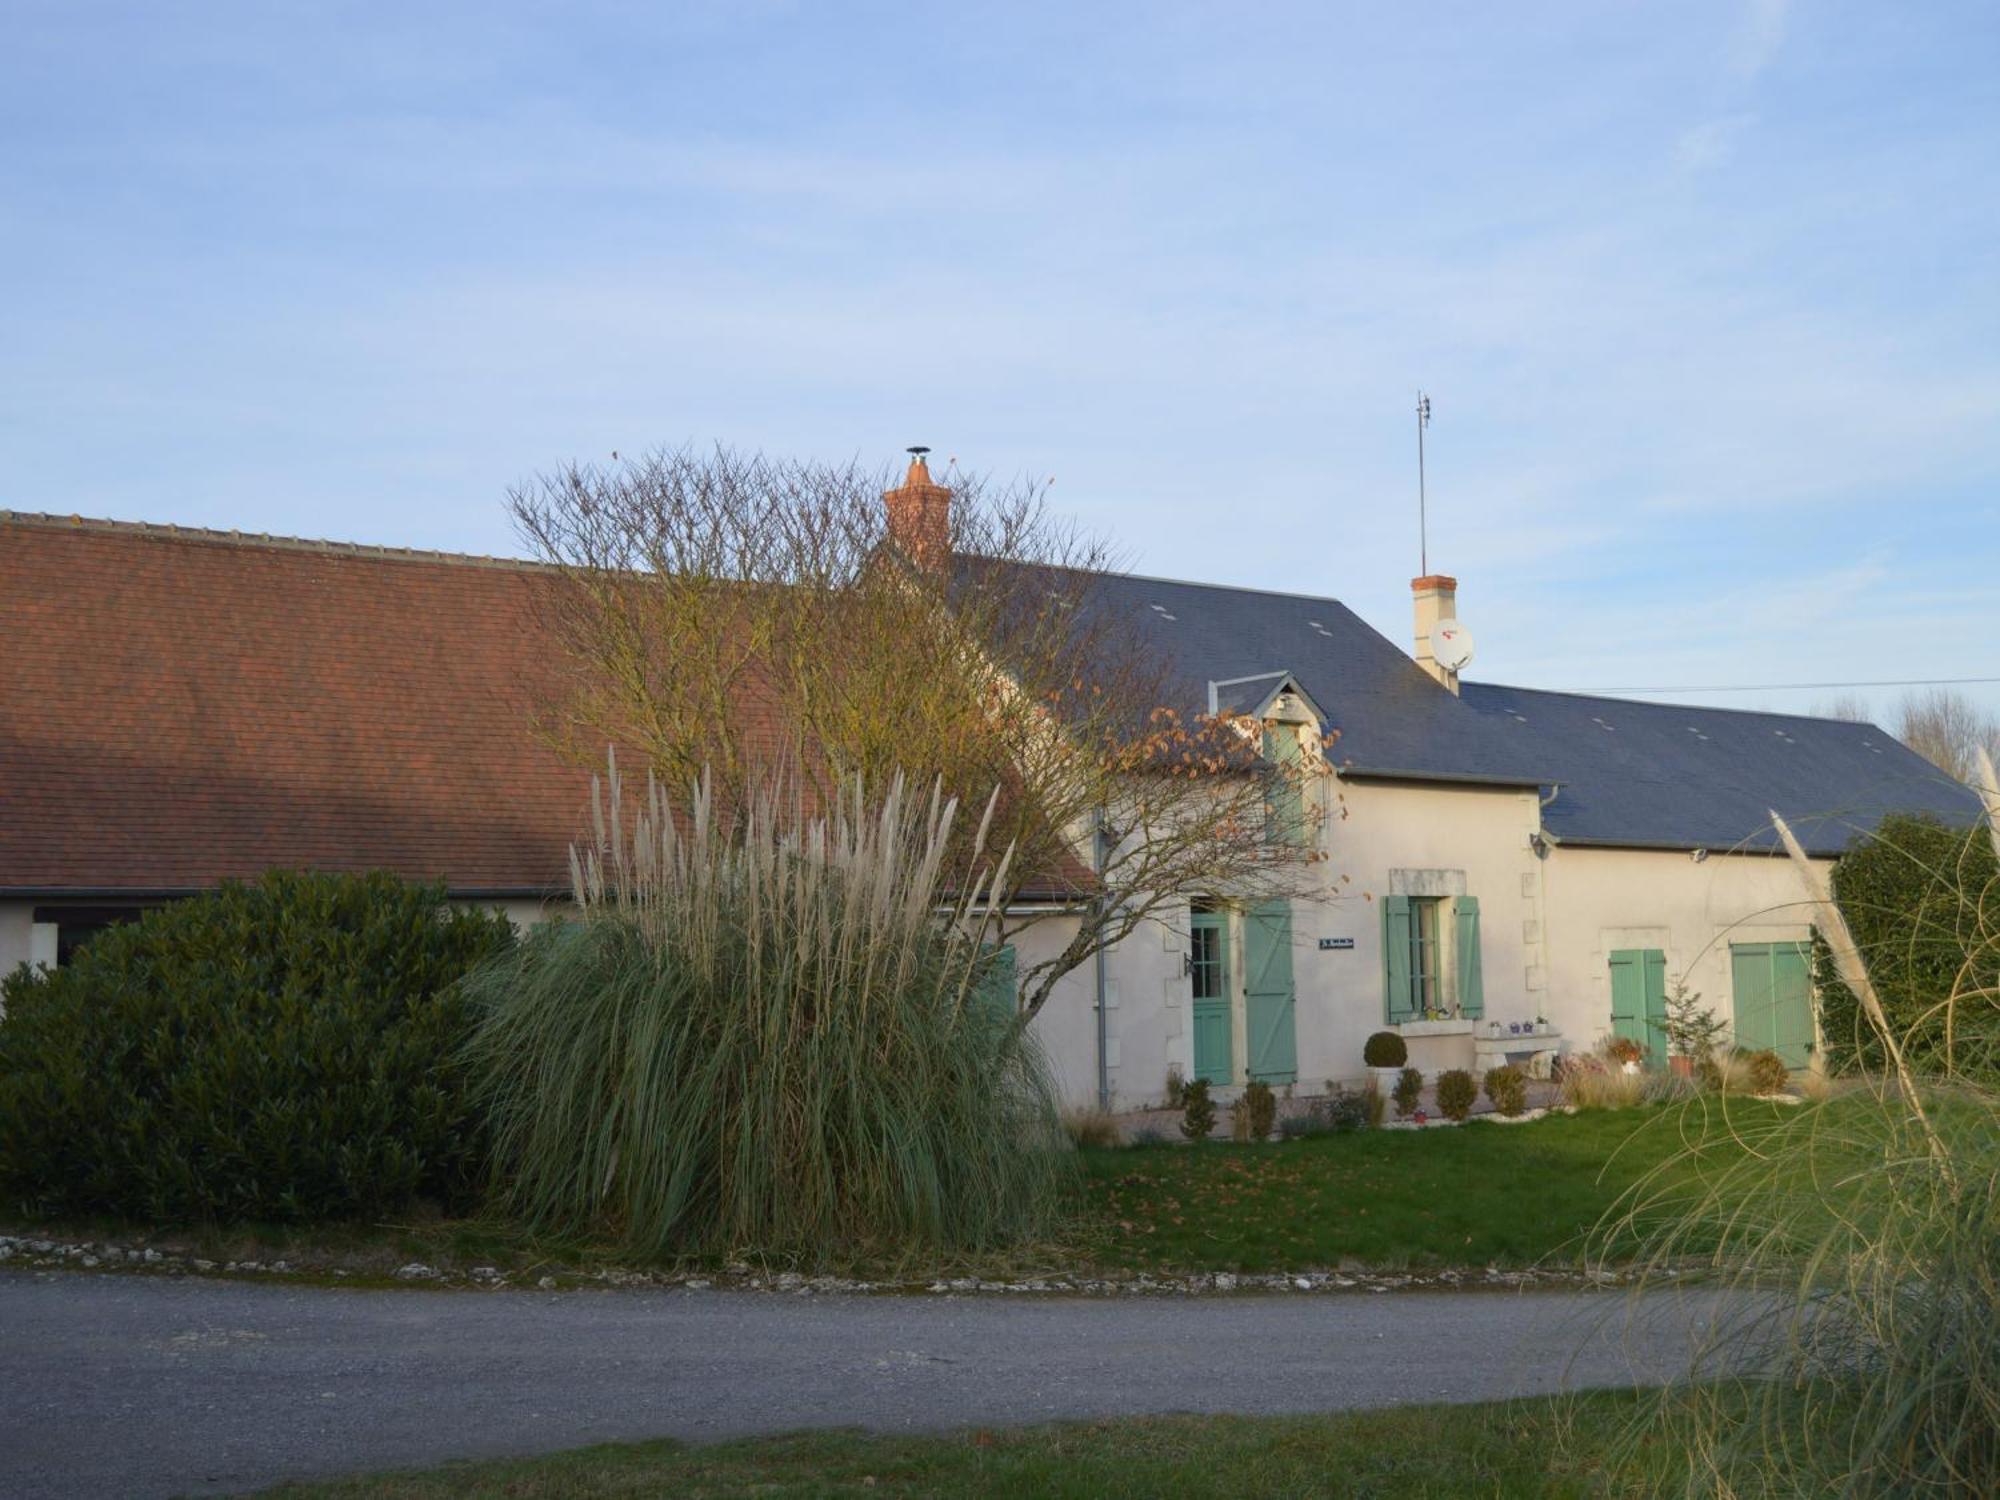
(1451, 644)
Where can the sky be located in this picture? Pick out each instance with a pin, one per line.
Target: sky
(1706, 296)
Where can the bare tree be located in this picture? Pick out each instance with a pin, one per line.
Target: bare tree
(1850, 707)
(732, 613)
(1947, 729)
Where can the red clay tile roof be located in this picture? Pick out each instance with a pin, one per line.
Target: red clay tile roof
(181, 706)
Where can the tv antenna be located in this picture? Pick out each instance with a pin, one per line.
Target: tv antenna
(1423, 521)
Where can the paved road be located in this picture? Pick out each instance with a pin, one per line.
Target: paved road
(134, 1386)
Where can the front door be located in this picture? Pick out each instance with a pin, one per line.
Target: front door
(1269, 997)
(1208, 974)
(1773, 995)
(1639, 1000)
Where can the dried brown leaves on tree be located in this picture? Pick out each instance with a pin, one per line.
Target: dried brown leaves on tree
(722, 613)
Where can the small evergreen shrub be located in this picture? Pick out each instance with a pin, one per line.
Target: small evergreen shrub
(1409, 1089)
(1197, 1110)
(1385, 1049)
(1456, 1094)
(1507, 1087)
(1259, 1107)
(1768, 1073)
(284, 1051)
(1176, 1094)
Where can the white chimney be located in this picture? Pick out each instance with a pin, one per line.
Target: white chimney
(1436, 599)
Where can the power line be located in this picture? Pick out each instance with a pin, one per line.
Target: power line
(1788, 687)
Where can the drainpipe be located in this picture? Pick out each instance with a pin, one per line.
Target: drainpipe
(1099, 857)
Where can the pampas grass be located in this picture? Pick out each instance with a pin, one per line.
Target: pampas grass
(774, 1034)
(1857, 1347)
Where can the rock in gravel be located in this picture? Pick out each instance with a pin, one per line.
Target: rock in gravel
(416, 1270)
(547, 1283)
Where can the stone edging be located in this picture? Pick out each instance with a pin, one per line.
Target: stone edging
(29, 1252)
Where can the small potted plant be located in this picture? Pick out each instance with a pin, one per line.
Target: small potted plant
(1625, 1052)
(1385, 1053)
(1693, 1033)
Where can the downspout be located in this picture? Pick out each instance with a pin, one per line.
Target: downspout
(1542, 895)
(1099, 857)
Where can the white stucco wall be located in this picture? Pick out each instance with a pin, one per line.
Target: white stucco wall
(16, 948)
(1601, 900)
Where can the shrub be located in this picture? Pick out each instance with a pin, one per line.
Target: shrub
(1622, 1050)
(1385, 1049)
(1376, 1105)
(1347, 1110)
(1197, 1111)
(1589, 1083)
(1147, 1135)
(1507, 1087)
(773, 1032)
(1768, 1073)
(1091, 1128)
(285, 1050)
(1409, 1089)
(1260, 1107)
(1693, 1030)
(1456, 1093)
(1923, 904)
(1176, 1094)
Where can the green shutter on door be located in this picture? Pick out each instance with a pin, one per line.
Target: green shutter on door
(1471, 982)
(1397, 1003)
(1773, 999)
(1214, 1050)
(1639, 999)
(1270, 999)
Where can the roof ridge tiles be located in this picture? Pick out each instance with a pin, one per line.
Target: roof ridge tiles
(171, 532)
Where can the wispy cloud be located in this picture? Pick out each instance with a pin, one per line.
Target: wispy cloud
(1758, 37)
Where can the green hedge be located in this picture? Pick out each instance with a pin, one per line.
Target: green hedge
(1923, 902)
(284, 1050)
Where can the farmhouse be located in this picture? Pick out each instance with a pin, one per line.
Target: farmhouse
(1508, 872)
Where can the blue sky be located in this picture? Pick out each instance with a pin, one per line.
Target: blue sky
(1707, 296)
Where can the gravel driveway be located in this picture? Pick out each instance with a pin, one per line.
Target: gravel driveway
(134, 1386)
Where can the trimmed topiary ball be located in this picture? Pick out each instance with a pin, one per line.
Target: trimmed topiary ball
(1385, 1049)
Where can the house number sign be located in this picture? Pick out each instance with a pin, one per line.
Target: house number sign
(1337, 945)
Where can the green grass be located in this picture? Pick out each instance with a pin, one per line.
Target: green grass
(1528, 1448)
(1479, 1195)
(1510, 1195)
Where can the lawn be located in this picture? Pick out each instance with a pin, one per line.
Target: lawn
(1544, 1447)
(1478, 1195)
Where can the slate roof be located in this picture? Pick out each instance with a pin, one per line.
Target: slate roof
(1393, 719)
(1660, 774)
(1623, 773)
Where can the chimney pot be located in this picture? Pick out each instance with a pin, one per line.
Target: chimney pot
(920, 515)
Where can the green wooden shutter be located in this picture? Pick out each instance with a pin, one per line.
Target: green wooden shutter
(1639, 999)
(1270, 1010)
(999, 989)
(1397, 1002)
(1471, 982)
(1286, 808)
(1656, 1006)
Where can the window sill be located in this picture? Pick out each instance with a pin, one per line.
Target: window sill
(1460, 1027)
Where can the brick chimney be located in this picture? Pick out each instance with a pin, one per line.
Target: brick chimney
(1436, 599)
(920, 516)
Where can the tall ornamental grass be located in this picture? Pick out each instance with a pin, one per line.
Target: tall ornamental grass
(782, 1033)
(1859, 1350)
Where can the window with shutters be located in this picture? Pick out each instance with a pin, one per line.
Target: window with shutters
(1426, 954)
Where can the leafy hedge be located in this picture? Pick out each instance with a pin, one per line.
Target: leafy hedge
(285, 1050)
(1923, 901)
